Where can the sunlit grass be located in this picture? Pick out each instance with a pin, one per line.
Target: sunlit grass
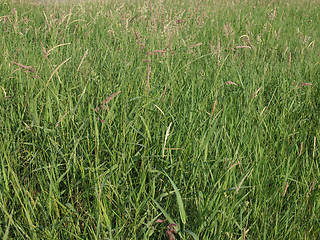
(148, 120)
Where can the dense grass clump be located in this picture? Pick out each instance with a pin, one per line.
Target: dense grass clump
(159, 120)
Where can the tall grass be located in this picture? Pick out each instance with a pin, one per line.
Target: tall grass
(159, 120)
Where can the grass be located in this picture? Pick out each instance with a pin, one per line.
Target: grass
(159, 120)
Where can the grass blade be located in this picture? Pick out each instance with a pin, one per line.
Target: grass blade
(182, 212)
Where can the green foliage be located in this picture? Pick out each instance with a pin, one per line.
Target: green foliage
(151, 119)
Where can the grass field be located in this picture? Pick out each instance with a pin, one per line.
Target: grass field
(160, 120)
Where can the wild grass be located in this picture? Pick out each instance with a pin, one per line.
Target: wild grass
(159, 120)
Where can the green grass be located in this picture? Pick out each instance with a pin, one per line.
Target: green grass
(102, 136)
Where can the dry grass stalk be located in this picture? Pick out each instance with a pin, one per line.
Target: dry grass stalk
(111, 31)
(166, 138)
(201, 20)
(228, 30)
(119, 8)
(46, 20)
(4, 92)
(159, 109)
(44, 51)
(196, 45)
(171, 51)
(131, 20)
(274, 13)
(60, 45)
(286, 188)
(301, 148)
(28, 68)
(160, 51)
(5, 18)
(57, 70)
(196, 11)
(230, 83)
(311, 188)
(69, 15)
(239, 47)
(245, 38)
(213, 108)
(61, 119)
(165, 49)
(303, 84)
(26, 125)
(84, 56)
(289, 60)
(233, 165)
(138, 39)
(311, 44)
(263, 111)
(164, 92)
(109, 99)
(256, 93)
(244, 233)
(239, 186)
(156, 51)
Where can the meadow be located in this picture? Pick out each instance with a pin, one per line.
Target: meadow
(160, 119)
